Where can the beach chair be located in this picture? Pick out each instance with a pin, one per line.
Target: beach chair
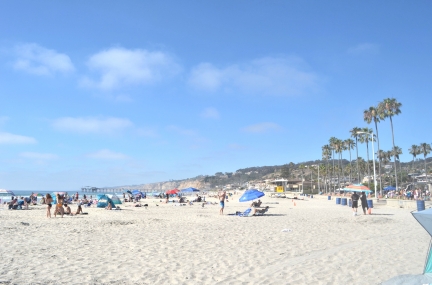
(246, 213)
(262, 211)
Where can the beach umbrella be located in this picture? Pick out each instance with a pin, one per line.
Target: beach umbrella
(172, 191)
(389, 188)
(7, 192)
(190, 189)
(136, 192)
(356, 188)
(251, 194)
(425, 219)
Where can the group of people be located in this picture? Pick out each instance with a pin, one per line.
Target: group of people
(355, 199)
(415, 194)
(19, 203)
(61, 207)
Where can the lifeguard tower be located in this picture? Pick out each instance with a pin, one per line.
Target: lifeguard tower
(280, 185)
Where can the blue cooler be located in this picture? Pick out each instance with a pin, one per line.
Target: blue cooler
(338, 201)
(328, 197)
(344, 201)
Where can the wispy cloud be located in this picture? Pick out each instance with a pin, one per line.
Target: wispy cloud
(283, 76)
(38, 155)
(364, 48)
(210, 113)
(107, 154)
(117, 67)
(35, 59)
(8, 138)
(182, 131)
(91, 125)
(262, 128)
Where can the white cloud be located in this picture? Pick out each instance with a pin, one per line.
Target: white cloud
(92, 125)
(107, 154)
(118, 67)
(210, 113)
(182, 131)
(38, 60)
(364, 48)
(267, 76)
(8, 138)
(38, 155)
(262, 128)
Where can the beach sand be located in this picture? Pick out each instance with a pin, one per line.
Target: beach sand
(169, 244)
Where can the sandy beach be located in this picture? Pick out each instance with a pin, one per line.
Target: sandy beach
(322, 244)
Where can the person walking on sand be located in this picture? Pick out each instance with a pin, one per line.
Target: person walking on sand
(355, 197)
(222, 195)
(48, 201)
(363, 200)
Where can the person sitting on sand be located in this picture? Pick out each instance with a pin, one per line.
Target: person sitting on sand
(79, 209)
(109, 207)
(256, 204)
(67, 209)
(59, 205)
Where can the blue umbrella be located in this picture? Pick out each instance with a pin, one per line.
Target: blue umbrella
(190, 189)
(389, 188)
(136, 192)
(251, 194)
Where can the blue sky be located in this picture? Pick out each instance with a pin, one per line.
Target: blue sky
(107, 93)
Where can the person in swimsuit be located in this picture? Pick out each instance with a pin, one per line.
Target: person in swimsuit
(48, 201)
(59, 206)
(355, 197)
(363, 200)
(222, 195)
(79, 210)
(67, 209)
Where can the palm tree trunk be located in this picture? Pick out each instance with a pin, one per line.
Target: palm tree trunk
(426, 170)
(350, 167)
(379, 160)
(394, 155)
(367, 149)
(358, 172)
(334, 189)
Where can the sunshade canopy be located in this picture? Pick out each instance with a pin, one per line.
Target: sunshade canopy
(172, 191)
(190, 189)
(357, 188)
(251, 194)
(425, 219)
(7, 192)
(389, 188)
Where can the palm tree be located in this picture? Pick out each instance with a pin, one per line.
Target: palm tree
(332, 143)
(369, 115)
(388, 108)
(365, 138)
(389, 155)
(339, 147)
(414, 150)
(354, 134)
(349, 145)
(326, 155)
(396, 152)
(425, 148)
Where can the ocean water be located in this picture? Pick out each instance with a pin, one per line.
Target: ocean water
(27, 193)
